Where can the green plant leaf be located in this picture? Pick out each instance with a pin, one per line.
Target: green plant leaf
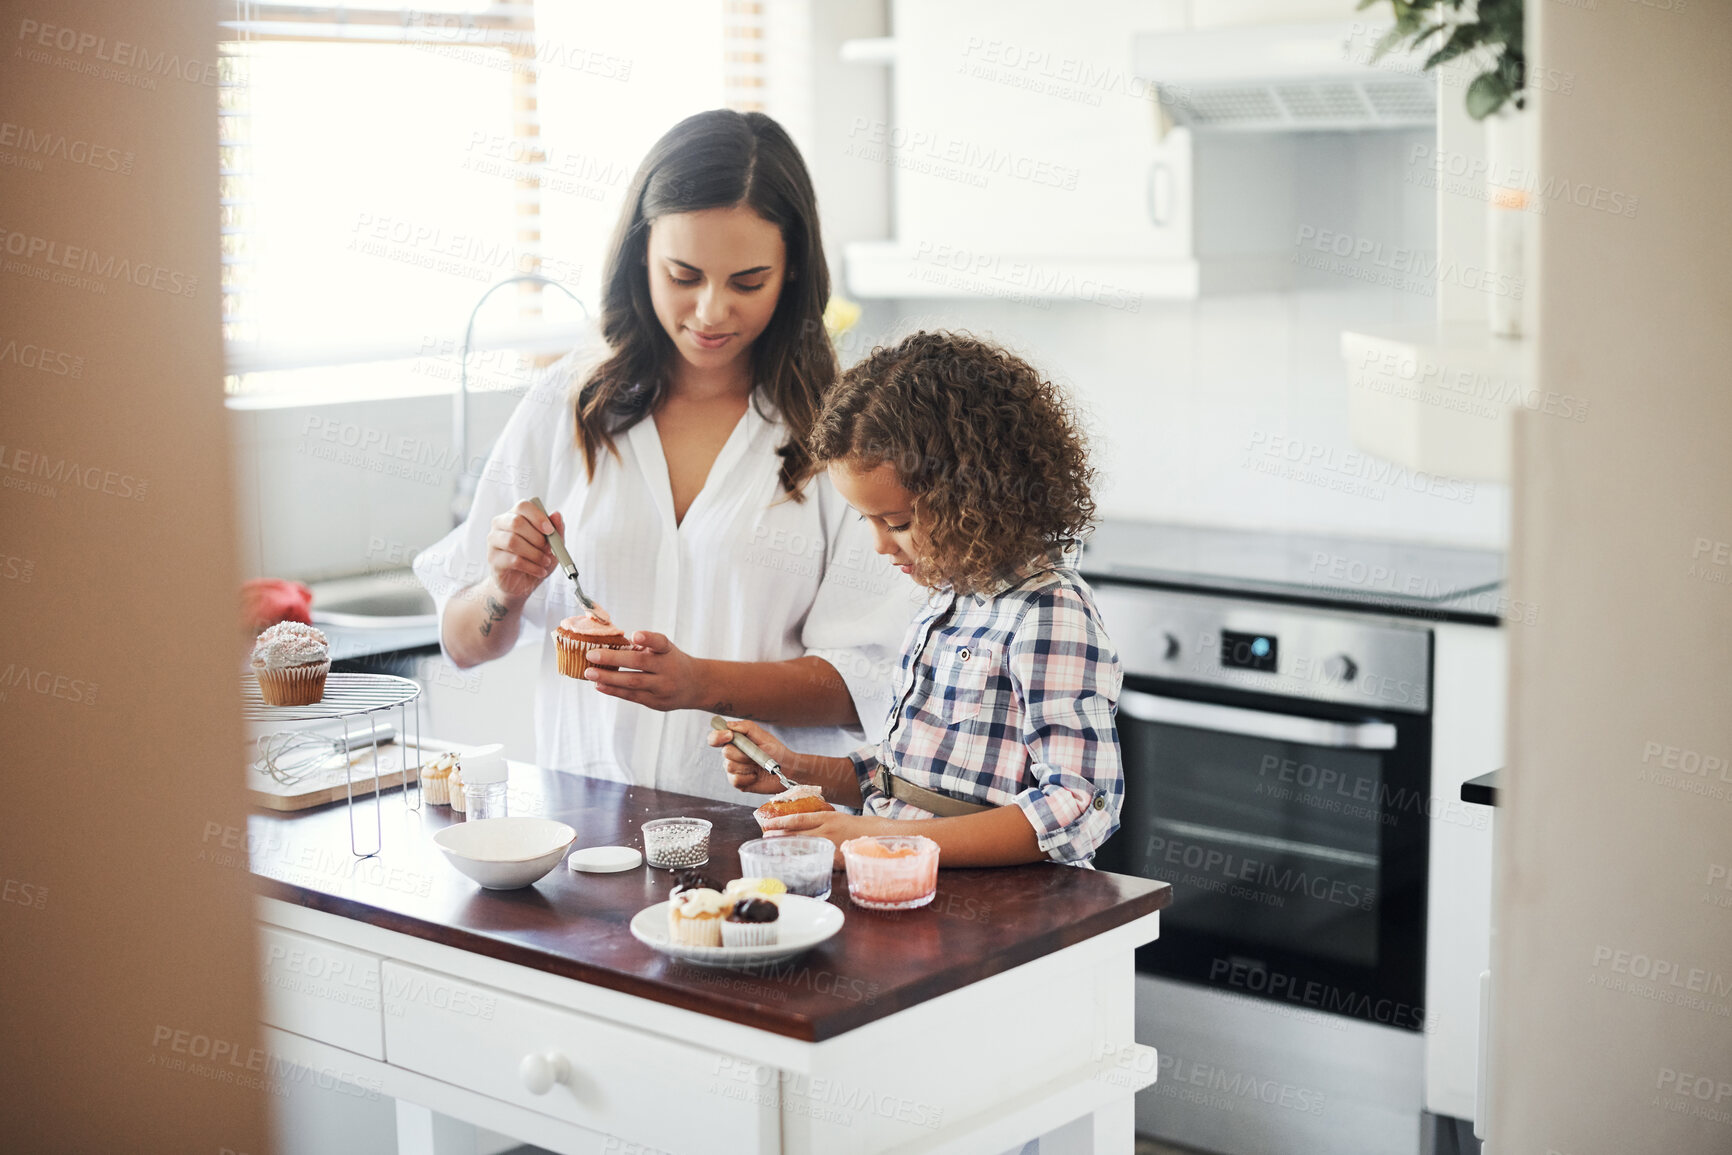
(1427, 35)
(1464, 39)
(1386, 42)
(1486, 95)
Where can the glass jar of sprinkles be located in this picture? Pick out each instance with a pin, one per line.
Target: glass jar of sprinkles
(676, 843)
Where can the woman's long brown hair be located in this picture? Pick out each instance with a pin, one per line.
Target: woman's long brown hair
(715, 159)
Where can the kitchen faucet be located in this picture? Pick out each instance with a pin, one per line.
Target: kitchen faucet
(466, 478)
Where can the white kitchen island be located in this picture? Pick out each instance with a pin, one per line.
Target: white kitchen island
(1000, 1013)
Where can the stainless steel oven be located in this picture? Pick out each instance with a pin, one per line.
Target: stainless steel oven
(1277, 770)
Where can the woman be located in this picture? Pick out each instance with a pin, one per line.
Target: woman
(674, 471)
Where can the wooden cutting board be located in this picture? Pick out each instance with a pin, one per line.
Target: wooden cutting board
(329, 784)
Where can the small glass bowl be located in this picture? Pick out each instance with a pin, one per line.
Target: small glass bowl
(878, 881)
(803, 864)
(676, 843)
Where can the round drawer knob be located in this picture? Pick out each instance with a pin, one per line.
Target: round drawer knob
(540, 1072)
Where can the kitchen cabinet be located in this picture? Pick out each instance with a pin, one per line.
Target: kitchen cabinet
(535, 1013)
(1032, 159)
(1021, 151)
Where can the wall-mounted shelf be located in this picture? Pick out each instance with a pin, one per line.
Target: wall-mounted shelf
(893, 269)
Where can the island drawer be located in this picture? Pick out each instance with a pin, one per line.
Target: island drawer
(641, 1088)
(321, 990)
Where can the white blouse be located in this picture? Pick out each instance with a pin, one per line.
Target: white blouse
(749, 575)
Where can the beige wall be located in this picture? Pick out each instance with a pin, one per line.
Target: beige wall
(1617, 833)
(125, 946)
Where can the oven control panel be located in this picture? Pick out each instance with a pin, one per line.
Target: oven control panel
(1325, 655)
(1242, 651)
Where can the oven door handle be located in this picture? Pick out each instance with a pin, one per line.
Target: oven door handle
(1258, 723)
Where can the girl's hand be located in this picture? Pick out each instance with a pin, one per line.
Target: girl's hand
(518, 557)
(656, 673)
(834, 825)
(743, 773)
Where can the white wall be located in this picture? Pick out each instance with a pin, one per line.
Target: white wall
(1192, 403)
(1613, 966)
(126, 925)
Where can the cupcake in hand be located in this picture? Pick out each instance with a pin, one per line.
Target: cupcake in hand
(291, 660)
(576, 636)
(794, 800)
(752, 922)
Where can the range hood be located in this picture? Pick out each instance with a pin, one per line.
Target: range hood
(1285, 78)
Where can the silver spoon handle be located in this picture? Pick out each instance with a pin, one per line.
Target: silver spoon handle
(556, 542)
(756, 753)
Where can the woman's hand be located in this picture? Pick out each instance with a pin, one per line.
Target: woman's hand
(518, 556)
(656, 673)
(836, 826)
(743, 773)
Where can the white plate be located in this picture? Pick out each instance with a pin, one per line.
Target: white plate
(805, 923)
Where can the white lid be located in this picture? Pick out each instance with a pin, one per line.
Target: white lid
(605, 859)
(483, 765)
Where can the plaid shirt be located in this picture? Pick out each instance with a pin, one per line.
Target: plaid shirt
(1008, 698)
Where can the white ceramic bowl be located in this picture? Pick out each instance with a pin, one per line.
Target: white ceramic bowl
(505, 853)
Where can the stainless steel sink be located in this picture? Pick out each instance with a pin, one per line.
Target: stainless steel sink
(387, 600)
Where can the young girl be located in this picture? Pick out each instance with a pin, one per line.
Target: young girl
(969, 469)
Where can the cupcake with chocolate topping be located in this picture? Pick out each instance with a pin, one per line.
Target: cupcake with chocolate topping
(752, 922)
(691, 879)
(576, 636)
(291, 660)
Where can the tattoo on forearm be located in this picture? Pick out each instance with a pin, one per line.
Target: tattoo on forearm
(722, 707)
(496, 612)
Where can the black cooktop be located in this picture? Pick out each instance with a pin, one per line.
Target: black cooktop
(1444, 583)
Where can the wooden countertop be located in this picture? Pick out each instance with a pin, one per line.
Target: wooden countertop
(576, 925)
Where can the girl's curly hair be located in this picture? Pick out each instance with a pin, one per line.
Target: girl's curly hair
(989, 448)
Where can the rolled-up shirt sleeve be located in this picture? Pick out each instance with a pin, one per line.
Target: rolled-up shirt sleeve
(517, 469)
(861, 614)
(865, 760)
(1068, 677)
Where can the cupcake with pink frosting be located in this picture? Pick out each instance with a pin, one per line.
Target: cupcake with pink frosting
(576, 636)
(291, 660)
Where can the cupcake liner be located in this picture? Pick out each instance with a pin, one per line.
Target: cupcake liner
(293, 685)
(748, 933)
(437, 790)
(695, 931)
(572, 654)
